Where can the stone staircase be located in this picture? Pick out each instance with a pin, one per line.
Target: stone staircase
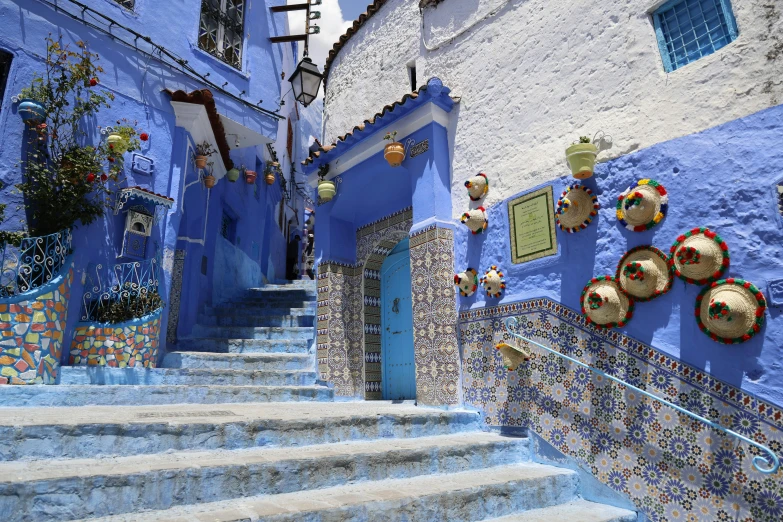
(236, 427)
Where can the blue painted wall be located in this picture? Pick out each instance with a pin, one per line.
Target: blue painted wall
(723, 178)
(138, 83)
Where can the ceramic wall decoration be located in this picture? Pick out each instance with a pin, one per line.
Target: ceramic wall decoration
(643, 205)
(467, 282)
(477, 186)
(730, 311)
(512, 356)
(699, 256)
(476, 220)
(576, 208)
(493, 282)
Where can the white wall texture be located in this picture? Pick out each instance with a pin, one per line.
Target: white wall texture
(534, 75)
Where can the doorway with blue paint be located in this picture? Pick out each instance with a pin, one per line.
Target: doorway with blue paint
(397, 356)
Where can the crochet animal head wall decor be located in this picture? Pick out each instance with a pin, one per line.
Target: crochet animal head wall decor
(493, 282)
(467, 282)
(476, 220)
(477, 186)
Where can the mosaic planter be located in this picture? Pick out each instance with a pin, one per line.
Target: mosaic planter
(31, 331)
(123, 345)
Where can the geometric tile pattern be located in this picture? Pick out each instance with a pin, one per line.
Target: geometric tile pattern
(435, 316)
(31, 334)
(117, 346)
(671, 466)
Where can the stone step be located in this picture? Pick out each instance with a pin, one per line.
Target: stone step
(575, 511)
(74, 375)
(281, 290)
(459, 497)
(236, 310)
(252, 302)
(255, 346)
(239, 361)
(257, 332)
(245, 320)
(97, 431)
(86, 395)
(68, 489)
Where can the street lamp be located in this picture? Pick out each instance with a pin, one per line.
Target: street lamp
(306, 81)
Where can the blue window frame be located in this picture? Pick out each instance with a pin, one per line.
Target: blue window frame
(690, 29)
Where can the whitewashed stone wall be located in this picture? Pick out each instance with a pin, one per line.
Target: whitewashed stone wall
(535, 74)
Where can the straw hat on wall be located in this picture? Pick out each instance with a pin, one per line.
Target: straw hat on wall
(699, 256)
(644, 273)
(643, 205)
(730, 311)
(605, 304)
(576, 208)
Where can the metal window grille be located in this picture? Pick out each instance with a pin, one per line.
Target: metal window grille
(228, 228)
(127, 4)
(222, 29)
(689, 29)
(780, 198)
(5, 66)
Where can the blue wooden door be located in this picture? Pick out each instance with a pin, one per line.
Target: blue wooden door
(399, 373)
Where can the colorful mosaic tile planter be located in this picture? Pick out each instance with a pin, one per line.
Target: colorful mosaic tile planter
(671, 466)
(123, 345)
(31, 327)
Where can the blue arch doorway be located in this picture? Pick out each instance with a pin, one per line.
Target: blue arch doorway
(397, 356)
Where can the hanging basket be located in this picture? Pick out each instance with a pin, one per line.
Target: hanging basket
(326, 190)
(209, 181)
(232, 175)
(581, 159)
(250, 176)
(394, 153)
(31, 112)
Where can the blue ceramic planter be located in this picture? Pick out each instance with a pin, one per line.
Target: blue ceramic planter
(31, 111)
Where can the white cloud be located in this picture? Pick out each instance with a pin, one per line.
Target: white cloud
(332, 25)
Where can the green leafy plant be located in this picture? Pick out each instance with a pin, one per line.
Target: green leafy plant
(65, 179)
(391, 136)
(584, 139)
(128, 308)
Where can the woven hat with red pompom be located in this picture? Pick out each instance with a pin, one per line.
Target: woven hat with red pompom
(477, 186)
(699, 256)
(644, 273)
(643, 205)
(605, 304)
(730, 311)
(576, 208)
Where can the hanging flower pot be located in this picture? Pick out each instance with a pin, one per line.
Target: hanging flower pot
(232, 175)
(581, 158)
(201, 162)
(250, 176)
(326, 190)
(394, 151)
(209, 181)
(31, 111)
(270, 177)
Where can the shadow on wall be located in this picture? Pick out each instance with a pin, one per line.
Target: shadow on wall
(234, 272)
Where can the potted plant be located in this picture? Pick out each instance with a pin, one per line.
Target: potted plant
(326, 189)
(232, 175)
(32, 103)
(209, 179)
(250, 175)
(269, 174)
(203, 151)
(581, 158)
(394, 151)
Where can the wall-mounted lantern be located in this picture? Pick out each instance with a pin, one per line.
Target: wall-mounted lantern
(306, 81)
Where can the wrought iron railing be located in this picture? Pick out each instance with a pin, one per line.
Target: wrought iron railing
(770, 460)
(131, 287)
(33, 263)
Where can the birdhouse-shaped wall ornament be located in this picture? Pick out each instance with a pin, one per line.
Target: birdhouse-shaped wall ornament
(467, 282)
(493, 282)
(476, 220)
(138, 227)
(477, 186)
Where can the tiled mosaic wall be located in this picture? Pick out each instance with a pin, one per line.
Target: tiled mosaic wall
(32, 333)
(435, 316)
(673, 467)
(119, 346)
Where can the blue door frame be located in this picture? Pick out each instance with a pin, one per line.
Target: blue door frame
(397, 356)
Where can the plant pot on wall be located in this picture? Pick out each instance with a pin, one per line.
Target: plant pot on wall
(117, 142)
(209, 181)
(250, 176)
(326, 190)
(270, 178)
(201, 162)
(394, 151)
(31, 111)
(232, 175)
(581, 159)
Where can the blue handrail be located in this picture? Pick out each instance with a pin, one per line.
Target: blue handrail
(775, 462)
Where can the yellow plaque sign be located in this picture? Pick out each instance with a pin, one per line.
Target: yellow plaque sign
(532, 226)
